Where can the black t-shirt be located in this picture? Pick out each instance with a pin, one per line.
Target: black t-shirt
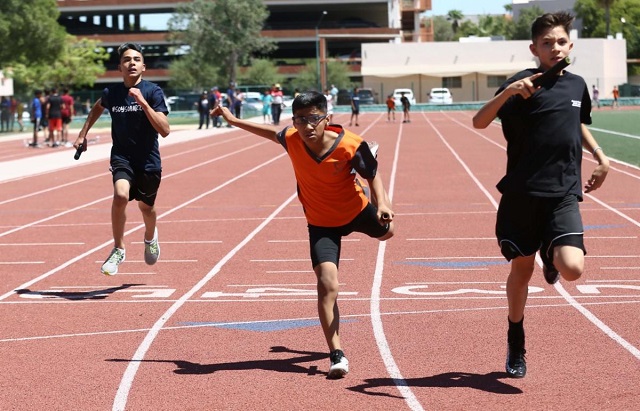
(55, 106)
(135, 141)
(544, 137)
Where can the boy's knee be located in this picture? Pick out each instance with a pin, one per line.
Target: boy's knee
(572, 272)
(120, 198)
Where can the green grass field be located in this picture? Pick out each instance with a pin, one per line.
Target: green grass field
(618, 133)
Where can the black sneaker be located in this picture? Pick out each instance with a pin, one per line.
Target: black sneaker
(516, 365)
(339, 364)
(551, 274)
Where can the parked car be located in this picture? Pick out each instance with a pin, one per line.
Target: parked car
(440, 96)
(367, 96)
(253, 100)
(397, 94)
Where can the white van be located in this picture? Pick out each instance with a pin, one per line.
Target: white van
(440, 96)
(397, 94)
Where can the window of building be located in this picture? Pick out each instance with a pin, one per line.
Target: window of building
(495, 81)
(452, 82)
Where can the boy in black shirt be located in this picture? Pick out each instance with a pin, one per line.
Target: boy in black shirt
(545, 132)
(138, 114)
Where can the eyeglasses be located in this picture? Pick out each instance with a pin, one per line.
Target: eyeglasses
(314, 120)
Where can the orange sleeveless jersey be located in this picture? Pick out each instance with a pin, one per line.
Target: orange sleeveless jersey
(327, 186)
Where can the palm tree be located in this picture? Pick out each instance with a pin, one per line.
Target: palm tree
(454, 16)
(606, 4)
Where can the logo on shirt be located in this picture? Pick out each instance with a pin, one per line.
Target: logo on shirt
(576, 103)
(126, 109)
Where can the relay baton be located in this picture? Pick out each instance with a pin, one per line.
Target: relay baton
(553, 71)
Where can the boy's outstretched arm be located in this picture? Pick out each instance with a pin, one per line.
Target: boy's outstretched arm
(489, 111)
(263, 130)
(92, 117)
(600, 172)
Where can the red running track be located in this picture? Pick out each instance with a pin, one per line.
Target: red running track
(227, 318)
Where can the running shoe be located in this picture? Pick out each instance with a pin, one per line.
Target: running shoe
(551, 274)
(110, 266)
(516, 365)
(152, 249)
(339, 364)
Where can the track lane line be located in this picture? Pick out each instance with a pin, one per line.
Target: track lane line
(558, 286)
(140, 226)
(120, 400)
(376, 316)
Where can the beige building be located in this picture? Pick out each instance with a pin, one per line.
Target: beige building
(474, 70)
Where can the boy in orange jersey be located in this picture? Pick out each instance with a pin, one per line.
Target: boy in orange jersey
(391, 108)
(324, 157)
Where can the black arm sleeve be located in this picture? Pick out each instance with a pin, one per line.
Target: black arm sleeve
(364, 162)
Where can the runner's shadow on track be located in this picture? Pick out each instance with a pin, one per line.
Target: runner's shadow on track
(76, 295)
(290, 365)
(484, 382)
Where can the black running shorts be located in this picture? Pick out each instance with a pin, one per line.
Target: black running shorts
(144, 185)
(526, 224)
(325, 242)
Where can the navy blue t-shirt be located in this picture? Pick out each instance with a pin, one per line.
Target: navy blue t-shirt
(135, 141)
(544, 137)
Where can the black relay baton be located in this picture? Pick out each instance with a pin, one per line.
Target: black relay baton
(553, 71)
(79, 151)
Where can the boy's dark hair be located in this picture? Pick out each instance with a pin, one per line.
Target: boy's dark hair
(550, 20)
(129, 46)
(309, 99)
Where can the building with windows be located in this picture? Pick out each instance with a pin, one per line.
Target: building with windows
(301, 29)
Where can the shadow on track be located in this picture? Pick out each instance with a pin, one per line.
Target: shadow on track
(290, 365)
(487, 382)
(75, 295)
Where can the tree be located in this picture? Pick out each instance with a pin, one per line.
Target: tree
(521, 29)
(261, 71)
(220, 33)
(442, 30)
(624, 16)
(29, 32)
(606, 4)
(454, 16)
(79, 64)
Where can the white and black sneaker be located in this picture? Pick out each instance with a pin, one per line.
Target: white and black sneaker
(339, 364)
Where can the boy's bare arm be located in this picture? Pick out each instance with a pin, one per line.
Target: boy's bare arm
(263, 130)
(158, 120)
(381, 198)
(602, 169)
(489, 111)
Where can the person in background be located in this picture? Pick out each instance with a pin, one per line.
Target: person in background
(36, 117)
(329, 97)
(203, 109)
(391, 108)
(406, 108)
(595, 96)
(355, 107)
(276, 104)
(616, 95)
(20, 113)
(68, 111)
(267, 99)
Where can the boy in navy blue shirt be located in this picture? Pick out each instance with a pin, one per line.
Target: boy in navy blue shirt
(545, 129)
(138, 114)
